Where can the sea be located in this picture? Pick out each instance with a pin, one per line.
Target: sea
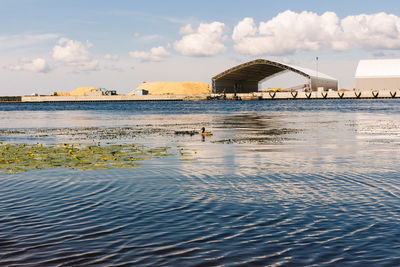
(278, 183)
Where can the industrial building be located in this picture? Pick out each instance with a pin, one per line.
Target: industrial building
(378, 74)
(247, 77)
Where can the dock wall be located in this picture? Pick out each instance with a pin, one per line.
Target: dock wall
(248, 96)
(10, 98)
(103, 98)
(322, 95)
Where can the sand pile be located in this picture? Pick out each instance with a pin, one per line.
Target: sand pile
(62, 93)
(174, 88)
(82, 90)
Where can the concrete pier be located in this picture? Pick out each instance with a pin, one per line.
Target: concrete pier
(101, 98)
(383, 94)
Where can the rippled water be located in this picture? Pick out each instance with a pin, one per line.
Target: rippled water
(279, 183)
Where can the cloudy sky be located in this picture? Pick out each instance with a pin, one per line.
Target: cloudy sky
(48, 45)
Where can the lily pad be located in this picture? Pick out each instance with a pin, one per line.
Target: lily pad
(24, 157)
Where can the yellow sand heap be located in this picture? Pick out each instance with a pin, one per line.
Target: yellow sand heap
(61, 93)
(82, 90)
(174, 88)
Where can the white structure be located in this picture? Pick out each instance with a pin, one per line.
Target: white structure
(318, 80)
(248, 77)
(378, 74)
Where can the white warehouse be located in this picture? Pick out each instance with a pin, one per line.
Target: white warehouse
(378, 74)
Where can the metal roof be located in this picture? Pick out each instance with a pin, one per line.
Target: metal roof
(375, 68)
(313, 73)
(261, 69)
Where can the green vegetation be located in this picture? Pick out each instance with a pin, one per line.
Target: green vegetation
(187, 154)
(22, 157)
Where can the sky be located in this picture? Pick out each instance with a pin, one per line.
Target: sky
(48, 46)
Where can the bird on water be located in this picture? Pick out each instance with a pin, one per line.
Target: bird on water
(204, 133)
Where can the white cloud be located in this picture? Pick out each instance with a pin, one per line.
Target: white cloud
(186, 30)
(70, 51)
(111, 57)
(38, 65)
(155, 54)
(288, 33)
(376, 31)
(205, 41)
(74, 53)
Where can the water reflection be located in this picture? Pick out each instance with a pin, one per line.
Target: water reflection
(254, 128)
(294, 187)
(244, 140)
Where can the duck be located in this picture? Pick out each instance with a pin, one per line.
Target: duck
(204, 133)
(185, 132)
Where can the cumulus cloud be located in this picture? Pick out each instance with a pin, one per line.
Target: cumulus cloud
(111, 57)
(38, 65)
(155, 54)
(290, 32)
(74, 53)
(376, 31)
(186, 30)
(206, 40)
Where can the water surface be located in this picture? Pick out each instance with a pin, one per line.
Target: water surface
(279, 183)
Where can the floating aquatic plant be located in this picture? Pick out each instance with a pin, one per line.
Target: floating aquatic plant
(187, 154)
(24, 157)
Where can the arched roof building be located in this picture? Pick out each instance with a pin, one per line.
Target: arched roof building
(247, 77)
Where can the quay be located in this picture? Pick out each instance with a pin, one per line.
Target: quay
(295, 95)
(382, 94)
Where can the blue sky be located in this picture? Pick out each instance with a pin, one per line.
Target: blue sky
(59, 45)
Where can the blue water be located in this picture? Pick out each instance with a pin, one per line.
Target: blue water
(211, 107)
(291, 183)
